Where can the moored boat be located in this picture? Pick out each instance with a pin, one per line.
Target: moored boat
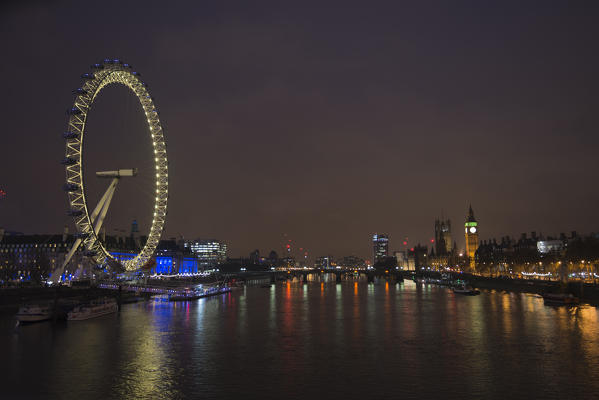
(198, 293)
(560, 299)
(445, 280)
(34, 313)
(463, 288)
(93, 309)
(184, 296)
(212, 291)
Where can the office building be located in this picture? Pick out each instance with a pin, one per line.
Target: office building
(209, 252)
(380, 247)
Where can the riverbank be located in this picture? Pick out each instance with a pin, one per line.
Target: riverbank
(11, 299)
(587, 292)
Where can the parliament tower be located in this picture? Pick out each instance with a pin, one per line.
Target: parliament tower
(471, 231)
(443, 243)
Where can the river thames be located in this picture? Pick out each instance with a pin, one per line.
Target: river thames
(352, 340)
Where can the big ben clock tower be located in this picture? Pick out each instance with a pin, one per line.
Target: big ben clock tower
(471, 230)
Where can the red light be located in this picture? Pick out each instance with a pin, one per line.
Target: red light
(405, 243)
(432, 240)
(288, 246)
(412, 249)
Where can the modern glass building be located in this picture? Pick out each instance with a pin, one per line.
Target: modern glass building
(209, 252)
(380, 247)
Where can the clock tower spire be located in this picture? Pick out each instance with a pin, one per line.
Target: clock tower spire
(471, 231)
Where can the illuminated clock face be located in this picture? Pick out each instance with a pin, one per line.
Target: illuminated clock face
(472, 229)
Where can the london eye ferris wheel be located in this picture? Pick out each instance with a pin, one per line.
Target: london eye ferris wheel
(89, 221)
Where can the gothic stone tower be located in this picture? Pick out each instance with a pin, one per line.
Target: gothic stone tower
(471, 231)
(443, 237)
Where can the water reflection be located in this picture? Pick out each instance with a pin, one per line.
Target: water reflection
(355, 339)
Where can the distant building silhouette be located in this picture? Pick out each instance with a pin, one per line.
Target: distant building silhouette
(443, 242)
(255, 257)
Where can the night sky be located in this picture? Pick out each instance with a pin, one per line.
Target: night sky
(323, 121)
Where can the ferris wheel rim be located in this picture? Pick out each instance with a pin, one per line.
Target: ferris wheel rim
(103, 74)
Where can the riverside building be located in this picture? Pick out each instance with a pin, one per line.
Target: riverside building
(35, 257)
(209, 252)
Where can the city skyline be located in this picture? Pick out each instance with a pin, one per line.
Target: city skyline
(324, 126)
(299, 199)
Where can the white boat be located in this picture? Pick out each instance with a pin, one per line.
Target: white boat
(94, 309)
(34, 313)
(462, 288)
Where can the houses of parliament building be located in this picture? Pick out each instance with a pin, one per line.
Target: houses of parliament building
(444, 251)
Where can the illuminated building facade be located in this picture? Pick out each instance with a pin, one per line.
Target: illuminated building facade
(403, 262)
(324, 262)
(550, 246)
(34, 257)
(471, 232)
(209, 252)
(380, 247)
(170, 259)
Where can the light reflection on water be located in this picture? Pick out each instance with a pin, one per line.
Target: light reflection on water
(294, 340)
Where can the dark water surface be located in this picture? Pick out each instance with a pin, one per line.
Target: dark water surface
(350, 340)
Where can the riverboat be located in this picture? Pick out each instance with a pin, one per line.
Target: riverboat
(212, 291)
(463, 288)
(93, 309)
(34, 313)
(445, 280)
(560, 299)
(184, 296)
(199, 293)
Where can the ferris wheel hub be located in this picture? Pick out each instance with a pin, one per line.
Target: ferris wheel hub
(117, 174)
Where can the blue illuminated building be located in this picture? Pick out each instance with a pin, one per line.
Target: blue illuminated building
(166, 264)
(171, 259)
(188, 266)
(23, 256)
(122, 257)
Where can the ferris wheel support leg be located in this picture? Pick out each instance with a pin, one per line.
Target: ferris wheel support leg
(102, 209)
(100, 205)
(110, 192)
(55, 278)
